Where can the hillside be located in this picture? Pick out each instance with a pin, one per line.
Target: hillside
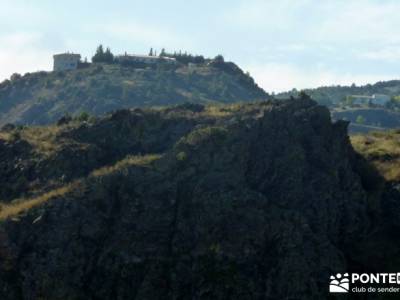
(363, 117)
(44, 97)
(382, 149)
(333, 95)
(254, 201)
(372, 118)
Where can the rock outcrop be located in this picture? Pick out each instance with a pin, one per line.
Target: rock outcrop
(264, 202)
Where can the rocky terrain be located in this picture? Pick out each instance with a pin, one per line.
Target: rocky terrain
(255, 201)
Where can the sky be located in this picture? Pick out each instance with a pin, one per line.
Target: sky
(283, 44)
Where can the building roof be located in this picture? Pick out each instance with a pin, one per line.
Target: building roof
(67, 54)
(146, 56)
(380, 95)
(361, 96)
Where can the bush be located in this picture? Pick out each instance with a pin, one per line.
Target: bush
(360, 120)
(15, 77)
(64, 120)
(181, 156)
(83, 116)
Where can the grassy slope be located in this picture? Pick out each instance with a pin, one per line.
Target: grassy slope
(51, 149)
(42, 98)
(20, 205)
(382, 149)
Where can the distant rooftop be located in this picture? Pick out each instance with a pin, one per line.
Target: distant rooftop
(67, 54)
(145, 56)
(361, 96)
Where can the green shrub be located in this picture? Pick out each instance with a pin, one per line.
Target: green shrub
(360, 120)
(181, 156)
(83, 116)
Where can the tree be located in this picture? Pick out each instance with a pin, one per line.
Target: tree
(15, 76)
(108, 56)
(83, 116)
(219, 58)
(151, 52)
(303, 95)
(103, 56)
(98, 56)
(360, 120)
(163, 53)
(349, 100)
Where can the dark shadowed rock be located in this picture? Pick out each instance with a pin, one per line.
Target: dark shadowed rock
(265, 207)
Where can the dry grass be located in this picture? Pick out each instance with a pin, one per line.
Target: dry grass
(125, 163)
(217, 111)
(42, 138)
(21, 205)
(382, 149)
(226, 110)
(5, 136)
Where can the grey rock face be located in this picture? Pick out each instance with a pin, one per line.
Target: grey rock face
(266, 207)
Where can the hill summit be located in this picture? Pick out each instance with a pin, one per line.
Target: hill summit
(44, 97)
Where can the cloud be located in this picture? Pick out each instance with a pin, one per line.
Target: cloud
(152, 35)
(276, 77)
(359, 22)
(23, 53)
(390, 54)
(285, 44)
(18, 12)
(314, 22)
(270, 15)
(308, 43)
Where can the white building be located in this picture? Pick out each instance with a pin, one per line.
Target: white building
(376, 99)
(380, 99)
(146, 59)
(66, 61)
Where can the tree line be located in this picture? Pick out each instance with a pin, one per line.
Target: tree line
(106, 56)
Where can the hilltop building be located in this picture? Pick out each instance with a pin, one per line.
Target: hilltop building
(146, 59)
(380, 99)
(66, 61)
(376, 99)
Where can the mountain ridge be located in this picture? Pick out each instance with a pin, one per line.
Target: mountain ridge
(254, 201)
(43, 98)
(334, 94)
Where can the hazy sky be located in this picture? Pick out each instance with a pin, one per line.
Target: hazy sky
(283, 43)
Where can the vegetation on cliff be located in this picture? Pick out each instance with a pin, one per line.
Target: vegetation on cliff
(382, 149)
(44, 97)
(254, 201)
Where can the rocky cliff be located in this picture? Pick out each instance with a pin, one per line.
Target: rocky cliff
(257, 201)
